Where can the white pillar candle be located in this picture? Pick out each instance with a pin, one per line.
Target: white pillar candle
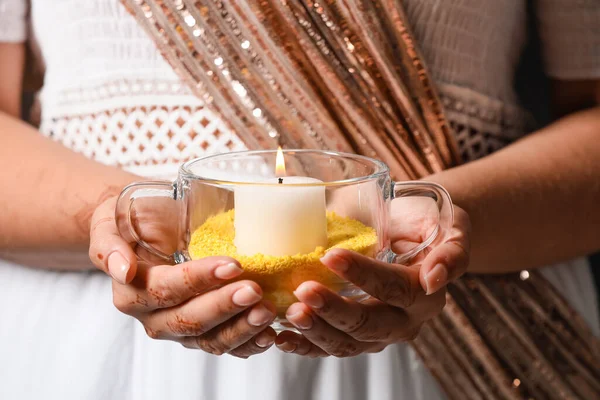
(280, 219)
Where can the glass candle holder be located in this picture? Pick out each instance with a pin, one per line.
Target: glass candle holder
(276, 225)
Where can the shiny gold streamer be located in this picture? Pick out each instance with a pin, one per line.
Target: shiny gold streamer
(347, 75)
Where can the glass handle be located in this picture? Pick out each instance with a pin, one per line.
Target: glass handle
(125, 205)
(444, 206)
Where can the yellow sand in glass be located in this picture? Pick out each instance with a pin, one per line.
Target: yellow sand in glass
(280, 276)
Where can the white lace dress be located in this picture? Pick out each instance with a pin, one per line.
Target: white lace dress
(109, 95)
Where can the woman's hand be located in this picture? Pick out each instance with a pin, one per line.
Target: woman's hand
(191, 303)
(403, 297)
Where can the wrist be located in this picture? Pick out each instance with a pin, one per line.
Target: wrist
(83, 217)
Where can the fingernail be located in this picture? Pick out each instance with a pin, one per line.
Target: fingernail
(335, 262)
(436, 278)
(118, 266)
(287, 347)
(264, 340)
(246, 296)
(260, 315)
(310, 297)
(300, 320)
(228, 271)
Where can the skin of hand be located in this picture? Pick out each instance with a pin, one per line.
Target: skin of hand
(196, 303)
(401, 298)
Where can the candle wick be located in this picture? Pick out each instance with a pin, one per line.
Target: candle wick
(280, 181)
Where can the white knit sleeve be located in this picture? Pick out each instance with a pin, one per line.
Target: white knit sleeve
(13, 20)
(570, 34)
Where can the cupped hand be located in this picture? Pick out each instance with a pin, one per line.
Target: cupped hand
(403, 297)
(196, 303)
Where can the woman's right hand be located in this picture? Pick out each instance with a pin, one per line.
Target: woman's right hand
(190, 303)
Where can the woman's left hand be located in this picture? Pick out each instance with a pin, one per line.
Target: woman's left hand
(403, 297)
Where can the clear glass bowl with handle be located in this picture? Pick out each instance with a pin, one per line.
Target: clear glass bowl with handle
(277, 224)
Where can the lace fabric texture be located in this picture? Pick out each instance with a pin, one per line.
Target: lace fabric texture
(144, 133)
(109, 94)
(356, 63)
(151, 133)
(481, 125)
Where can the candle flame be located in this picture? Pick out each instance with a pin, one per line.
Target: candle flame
(279, 163)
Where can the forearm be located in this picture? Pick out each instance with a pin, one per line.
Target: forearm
(48, 192)
(536, 202)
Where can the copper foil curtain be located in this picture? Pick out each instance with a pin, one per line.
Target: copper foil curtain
(346, 75)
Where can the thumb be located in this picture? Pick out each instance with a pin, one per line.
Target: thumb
(109, 251)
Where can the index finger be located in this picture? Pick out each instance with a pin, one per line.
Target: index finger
(165, 286)
(369, 321)
(394, 284)
(109, 251)
(450, 259)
